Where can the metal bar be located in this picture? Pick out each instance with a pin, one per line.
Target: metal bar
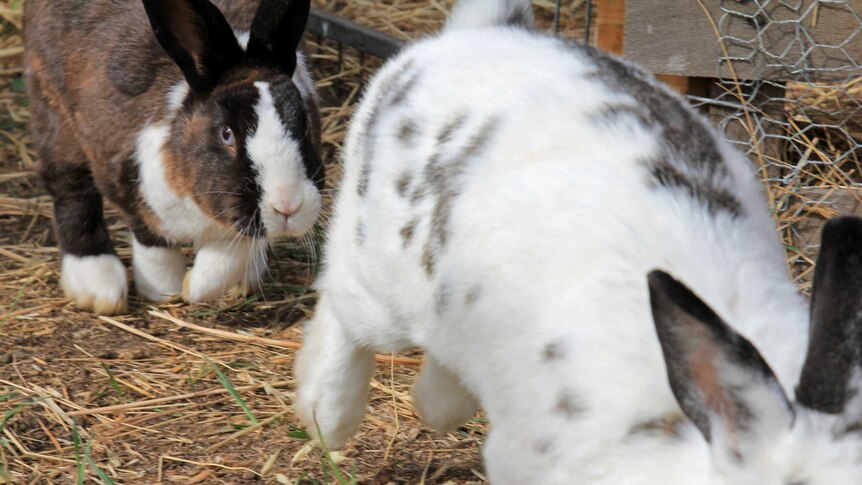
(557, 8)
(321, 22)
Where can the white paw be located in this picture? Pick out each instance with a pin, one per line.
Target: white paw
(331, 414)
(442, 401)
(255, 272)
(159, 271)
(199, 286)
(96, 283)
(333, 375)
(327, 420)
(220, 267)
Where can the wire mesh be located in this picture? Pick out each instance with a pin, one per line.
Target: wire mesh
(801, 107)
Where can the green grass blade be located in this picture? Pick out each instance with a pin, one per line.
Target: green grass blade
(12, 412)
(98, 471)
(330, 464)
(4, 464)
(12, 308)
(225, 382)
(112, 380)
(80, 465)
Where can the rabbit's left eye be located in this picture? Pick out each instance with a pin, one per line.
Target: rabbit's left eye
(227, 137)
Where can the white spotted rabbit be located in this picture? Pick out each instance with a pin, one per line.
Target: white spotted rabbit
(200, 124)
(505, 196)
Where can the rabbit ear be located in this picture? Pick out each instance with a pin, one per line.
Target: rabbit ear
(832, 374)
(276, 32)
(196, 35)
(719, 379)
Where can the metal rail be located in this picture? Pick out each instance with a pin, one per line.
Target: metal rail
(330, 26)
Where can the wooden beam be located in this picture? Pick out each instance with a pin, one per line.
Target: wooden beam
(611, 37)
(611, 25)
(680, 84)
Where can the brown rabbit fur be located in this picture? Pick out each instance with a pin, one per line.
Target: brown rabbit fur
(126, 94)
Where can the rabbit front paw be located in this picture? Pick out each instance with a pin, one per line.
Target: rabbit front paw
(159, 271)
(95, 283)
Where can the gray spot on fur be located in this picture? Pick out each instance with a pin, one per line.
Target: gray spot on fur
(402, 185)
(442, 298)
(403, 89)
(387, 92)
(428, 261)
(473, 295)
(685, 136)
(364, 176)
(521, 17)
(668, 426)
(408, 231)
(568, 405)
(544, 446)
(554, 351)
(715, 199)
(441, 178)
(360, 234)
(611, 113)
(449, 129)
(407, 132)
(418, 195)
(690, 158)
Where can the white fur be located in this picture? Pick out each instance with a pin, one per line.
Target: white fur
(281, 173)
(552, 232)
(487, 13)
(242, 38)
(220, 266)
(95, 283)
(441, 398)
(255, 271)
(159, 271)
(302, 80)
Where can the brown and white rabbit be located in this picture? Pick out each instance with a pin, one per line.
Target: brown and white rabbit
(198, 119)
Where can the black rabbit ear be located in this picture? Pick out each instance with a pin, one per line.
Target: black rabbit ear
(719, 379)
(832, 374)
(196, 35)
(276, 32)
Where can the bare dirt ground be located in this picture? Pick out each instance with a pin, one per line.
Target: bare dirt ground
(202, 394)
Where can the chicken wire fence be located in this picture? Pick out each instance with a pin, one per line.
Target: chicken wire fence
(802, 113)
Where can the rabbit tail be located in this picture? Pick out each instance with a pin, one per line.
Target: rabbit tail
(488, 13)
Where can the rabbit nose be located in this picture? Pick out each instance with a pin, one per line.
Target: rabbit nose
(287, 209)
(286, 213)
(286, 202)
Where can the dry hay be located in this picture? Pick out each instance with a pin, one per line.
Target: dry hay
(147, 397)
(140, 397)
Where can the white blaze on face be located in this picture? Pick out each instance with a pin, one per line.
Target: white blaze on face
(289, 202)
(242, 39)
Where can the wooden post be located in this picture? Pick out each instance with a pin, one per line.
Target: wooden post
(680, 84)
(611, 26)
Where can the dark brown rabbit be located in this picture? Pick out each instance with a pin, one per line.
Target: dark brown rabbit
(197, 119)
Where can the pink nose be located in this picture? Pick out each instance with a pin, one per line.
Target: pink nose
(287, 210)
